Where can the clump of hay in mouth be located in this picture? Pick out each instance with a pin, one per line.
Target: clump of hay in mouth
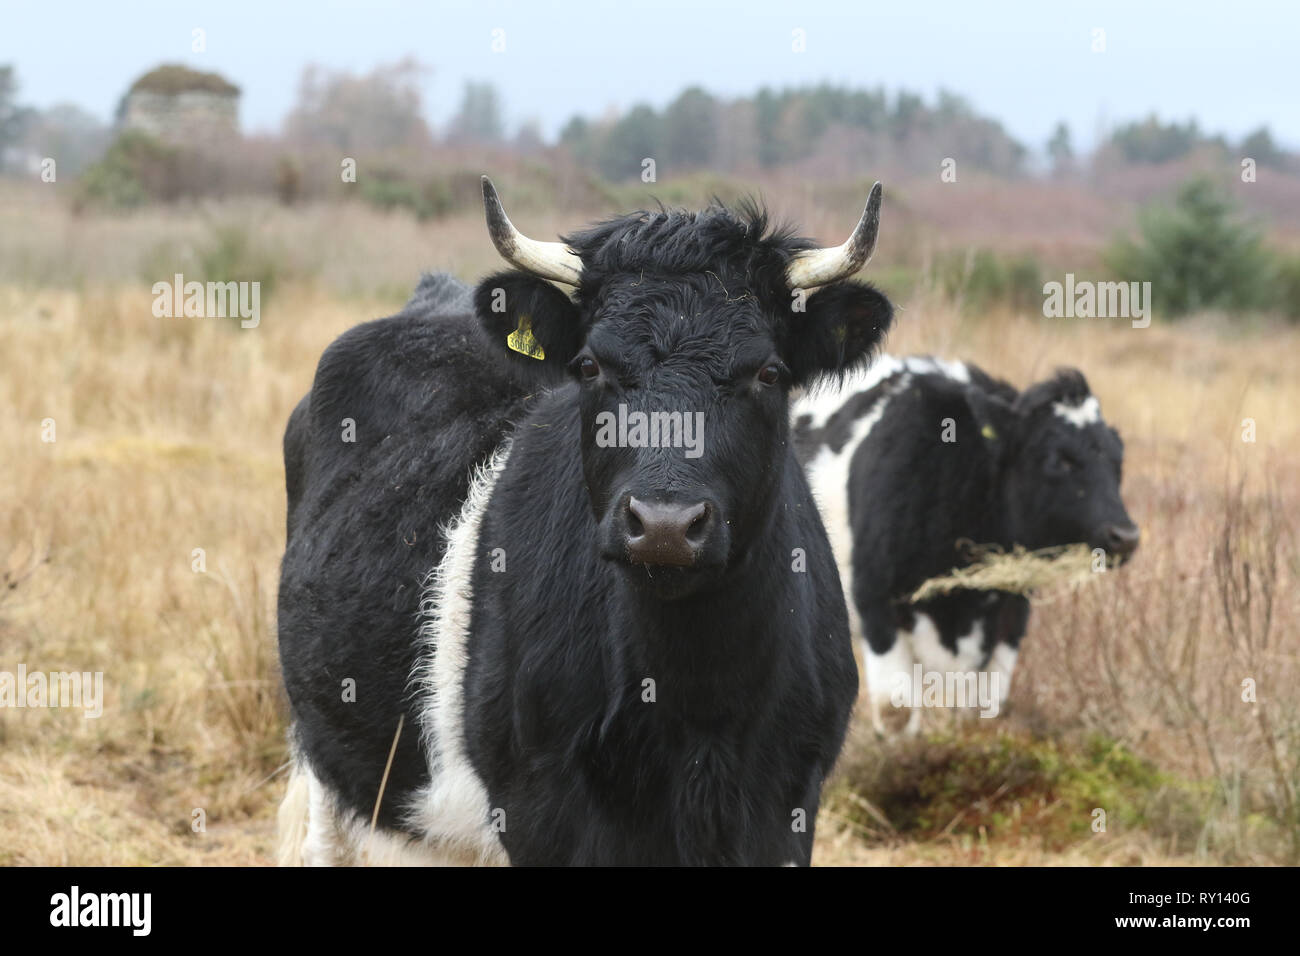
(1018, 571)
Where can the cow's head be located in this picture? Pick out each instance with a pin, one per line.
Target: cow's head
(686, 330)
(1059, 465)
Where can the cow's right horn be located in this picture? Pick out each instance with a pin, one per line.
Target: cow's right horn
(550, 260)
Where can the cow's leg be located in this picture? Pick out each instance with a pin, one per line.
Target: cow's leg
(913, 725)
(309, 831)
(1001, 666)
(956, 660)
(869, 667)
(312, 833)
(324, 844)
(887, 662)
(291, 819)
(1010, 620)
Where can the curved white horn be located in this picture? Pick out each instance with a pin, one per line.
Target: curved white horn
(818, 267)
(550, 260)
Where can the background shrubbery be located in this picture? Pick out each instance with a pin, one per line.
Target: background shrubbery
(1196, 247)
(990, 236)
(1197, 254)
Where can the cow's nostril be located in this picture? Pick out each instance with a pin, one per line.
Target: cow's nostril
(699, 525)
(664, 532)
(1123, 540)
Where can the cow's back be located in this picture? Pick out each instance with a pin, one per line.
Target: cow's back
(885, 477)
(378, 458)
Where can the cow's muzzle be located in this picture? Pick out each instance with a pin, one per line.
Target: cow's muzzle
(665, 531)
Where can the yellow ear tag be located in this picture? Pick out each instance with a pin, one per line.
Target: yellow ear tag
(988, 432)
(524, 342)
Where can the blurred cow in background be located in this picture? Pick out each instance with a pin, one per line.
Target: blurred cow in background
(913, 456)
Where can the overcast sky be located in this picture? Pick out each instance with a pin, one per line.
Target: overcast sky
(1232, 66)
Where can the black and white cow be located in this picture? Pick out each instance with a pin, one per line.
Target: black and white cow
(581, 643)
(912, 458)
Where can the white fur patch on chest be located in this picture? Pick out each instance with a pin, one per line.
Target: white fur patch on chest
(453, 810)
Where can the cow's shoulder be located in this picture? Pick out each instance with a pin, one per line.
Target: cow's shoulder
(400, 411)
(827, 417)
(855, 394)
(990, 384)
(388, 369)
(929, 390)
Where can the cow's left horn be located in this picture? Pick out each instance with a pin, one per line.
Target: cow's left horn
(818, 267)
(550, 260)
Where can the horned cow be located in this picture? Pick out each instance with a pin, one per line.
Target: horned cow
(576, 650)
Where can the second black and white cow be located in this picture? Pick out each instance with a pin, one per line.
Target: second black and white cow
(914, 457)
(555, 589)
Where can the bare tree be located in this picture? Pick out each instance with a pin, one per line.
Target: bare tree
(378, 110)
(479, 118)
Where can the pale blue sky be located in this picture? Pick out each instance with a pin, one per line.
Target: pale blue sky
(1232, 66)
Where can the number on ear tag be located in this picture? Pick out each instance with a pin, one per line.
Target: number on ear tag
(524, 342)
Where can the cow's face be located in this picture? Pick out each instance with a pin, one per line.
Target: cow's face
(1062, 469)
(681, 381)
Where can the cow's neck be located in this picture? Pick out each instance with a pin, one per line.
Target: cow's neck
(987, 507)
(710, 655)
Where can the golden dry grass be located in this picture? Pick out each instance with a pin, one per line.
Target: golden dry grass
(167, 441)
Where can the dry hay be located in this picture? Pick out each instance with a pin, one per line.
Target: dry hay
(1018, 572)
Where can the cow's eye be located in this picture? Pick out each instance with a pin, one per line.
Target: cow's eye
(587, 368)
(770, 374)
(1060, 463)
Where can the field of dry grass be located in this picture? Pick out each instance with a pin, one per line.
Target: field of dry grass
(167, 432)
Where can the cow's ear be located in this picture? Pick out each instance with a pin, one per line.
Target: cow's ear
(998, 422)
(839, 330)
(536, 326)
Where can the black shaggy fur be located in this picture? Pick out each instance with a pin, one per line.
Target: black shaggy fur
(748, 651)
